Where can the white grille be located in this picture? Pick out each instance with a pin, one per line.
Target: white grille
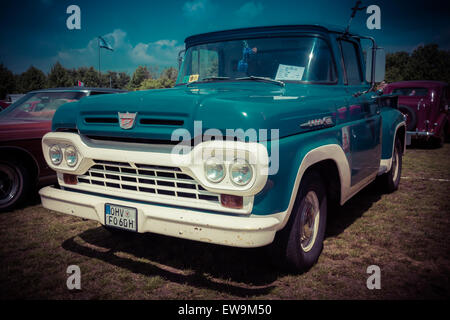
(146, 180)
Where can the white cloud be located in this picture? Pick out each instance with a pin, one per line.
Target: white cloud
(199, 9)
(162, 52)
(249, 10)
(125, 56)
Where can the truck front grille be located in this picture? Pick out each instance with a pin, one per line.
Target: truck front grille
(143, 179)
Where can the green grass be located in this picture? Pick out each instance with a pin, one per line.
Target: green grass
(405, 233)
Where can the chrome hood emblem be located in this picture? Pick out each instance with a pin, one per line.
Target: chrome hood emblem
(126, 120)
(325, 121)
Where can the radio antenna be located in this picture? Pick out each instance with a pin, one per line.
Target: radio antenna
(355, 9)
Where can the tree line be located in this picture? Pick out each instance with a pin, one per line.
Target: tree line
(33, 79)
(426, 62)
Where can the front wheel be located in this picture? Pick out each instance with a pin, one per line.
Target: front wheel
(14, 184)
(299, 245)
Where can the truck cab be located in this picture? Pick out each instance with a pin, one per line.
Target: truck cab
(265, 129)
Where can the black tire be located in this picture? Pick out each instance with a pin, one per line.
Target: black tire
(438, 141)
(391, 180)
(411, 118)
(15, 184)
(289, 251)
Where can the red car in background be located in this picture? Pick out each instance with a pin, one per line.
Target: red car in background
(4, 105)
(425, 105)
(22, 126)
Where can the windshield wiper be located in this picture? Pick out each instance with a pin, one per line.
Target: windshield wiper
(209, 79)
(263, 79)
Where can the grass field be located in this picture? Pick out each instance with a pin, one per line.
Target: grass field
(405, 233)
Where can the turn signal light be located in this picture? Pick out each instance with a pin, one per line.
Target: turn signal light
(230, 201)
(70, 178)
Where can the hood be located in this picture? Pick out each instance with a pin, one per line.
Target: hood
(226, 106)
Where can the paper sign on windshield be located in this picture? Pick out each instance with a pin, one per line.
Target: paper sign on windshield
(286, 72)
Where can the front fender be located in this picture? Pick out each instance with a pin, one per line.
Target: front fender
(296, 154)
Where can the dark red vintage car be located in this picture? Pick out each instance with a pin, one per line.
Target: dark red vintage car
(425, 105)
(22, 126)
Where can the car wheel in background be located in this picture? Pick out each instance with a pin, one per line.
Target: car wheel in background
(439, 140)
(411, 118)
(14, 184)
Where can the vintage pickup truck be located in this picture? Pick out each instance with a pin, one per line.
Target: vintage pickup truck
(266, 128)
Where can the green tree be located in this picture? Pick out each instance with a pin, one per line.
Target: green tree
(89, 76)
(426, 62)
(123, 80)
(7, 82)
(396, 64)
(429, 63)
(109, 79)
(140, 74)
(156, 83)
(60, 77)
(170, 73)
(32, 79)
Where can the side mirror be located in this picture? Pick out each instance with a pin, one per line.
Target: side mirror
(180, 58)
(380, 65)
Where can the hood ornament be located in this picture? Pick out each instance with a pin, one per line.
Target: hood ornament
(126, 120)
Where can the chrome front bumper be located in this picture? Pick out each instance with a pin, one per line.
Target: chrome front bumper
(417, 135)
(236, 231)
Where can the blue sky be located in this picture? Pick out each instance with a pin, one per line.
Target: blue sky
(152, 32)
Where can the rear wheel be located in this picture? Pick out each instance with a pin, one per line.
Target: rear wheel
(391, 179)
(299, 245)
(15, 183)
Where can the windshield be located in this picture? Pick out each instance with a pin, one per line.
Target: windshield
(305, 59)
(411, 92)
(40, 105)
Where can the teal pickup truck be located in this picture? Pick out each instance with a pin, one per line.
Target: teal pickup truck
(266, 129)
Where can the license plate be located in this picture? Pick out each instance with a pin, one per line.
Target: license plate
(121, 217)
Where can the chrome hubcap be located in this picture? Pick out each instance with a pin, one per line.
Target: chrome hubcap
(9, 183)
(310, 216)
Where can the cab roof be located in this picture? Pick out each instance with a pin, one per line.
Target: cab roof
(270, 31)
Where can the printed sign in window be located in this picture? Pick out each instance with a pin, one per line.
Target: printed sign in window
(286, 72)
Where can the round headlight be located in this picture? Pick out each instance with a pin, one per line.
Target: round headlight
(241, 172)
(70, 154)
(56, 155)
(214, 170)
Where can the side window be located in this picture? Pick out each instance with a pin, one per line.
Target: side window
(352, 63)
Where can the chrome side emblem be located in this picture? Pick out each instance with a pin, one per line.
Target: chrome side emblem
(325, 121)
(126, 120)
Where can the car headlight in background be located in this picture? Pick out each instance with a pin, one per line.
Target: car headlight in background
(56, 154)
(241, 172)
(214, 170)
(70, 154)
